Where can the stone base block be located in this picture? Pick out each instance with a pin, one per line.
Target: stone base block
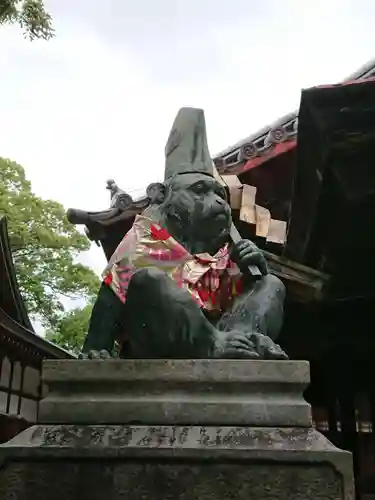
(76, 462)
(176, 392)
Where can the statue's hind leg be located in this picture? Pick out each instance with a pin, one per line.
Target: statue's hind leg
(163, 321)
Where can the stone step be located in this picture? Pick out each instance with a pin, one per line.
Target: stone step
(192, 463)
(176, 392)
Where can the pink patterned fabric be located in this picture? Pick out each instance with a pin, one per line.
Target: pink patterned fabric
(212, 281)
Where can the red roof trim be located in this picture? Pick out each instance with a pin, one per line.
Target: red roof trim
(349, 82)
(272, 152)
(276, 150)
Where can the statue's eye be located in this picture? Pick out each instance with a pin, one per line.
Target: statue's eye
(222, 193)
(199, 188)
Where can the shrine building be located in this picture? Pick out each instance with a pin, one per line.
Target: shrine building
(21, 351)
(304, 190)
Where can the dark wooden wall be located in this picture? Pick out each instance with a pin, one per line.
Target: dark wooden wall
(339, 342)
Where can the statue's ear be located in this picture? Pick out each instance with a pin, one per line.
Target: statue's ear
(156, 193)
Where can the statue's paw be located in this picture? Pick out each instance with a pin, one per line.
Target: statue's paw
(276, 352)
(266, 347)
(235, 345)
(103, 354)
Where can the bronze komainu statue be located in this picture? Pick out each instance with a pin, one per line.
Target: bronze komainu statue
(176, 286)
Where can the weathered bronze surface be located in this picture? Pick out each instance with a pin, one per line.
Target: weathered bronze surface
(160, 318)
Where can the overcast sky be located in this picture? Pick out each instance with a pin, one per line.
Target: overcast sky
(98, 101)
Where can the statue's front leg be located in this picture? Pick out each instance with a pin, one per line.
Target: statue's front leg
(104, 326)
(258, 313)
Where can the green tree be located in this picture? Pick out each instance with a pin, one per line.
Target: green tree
(44, 246)
(30, 15)
(70, 330)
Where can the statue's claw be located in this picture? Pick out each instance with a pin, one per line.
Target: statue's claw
(266, 347)
(103, 354)
(252, 345)
(275, 352)
(234, 345)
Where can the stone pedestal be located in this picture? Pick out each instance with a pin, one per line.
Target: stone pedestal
(163, 429)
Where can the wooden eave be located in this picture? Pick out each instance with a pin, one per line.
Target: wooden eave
(303, 283)
(23, 343)
(314, 176)
(16, 331)
(10, 297)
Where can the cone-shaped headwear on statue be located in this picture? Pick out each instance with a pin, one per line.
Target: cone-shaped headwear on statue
(187, 149)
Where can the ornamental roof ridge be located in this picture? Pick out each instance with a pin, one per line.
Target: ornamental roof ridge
(285, 125)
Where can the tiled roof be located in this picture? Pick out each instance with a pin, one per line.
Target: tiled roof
(272, 140)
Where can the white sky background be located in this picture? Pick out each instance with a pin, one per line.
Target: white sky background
(98, 101)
